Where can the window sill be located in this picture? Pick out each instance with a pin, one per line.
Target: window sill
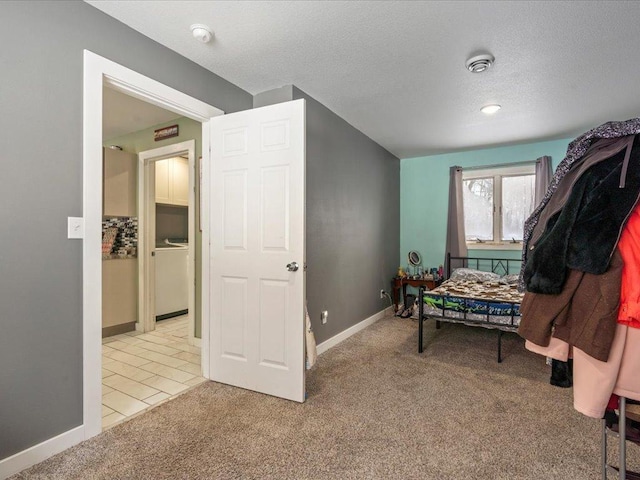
(494, 246)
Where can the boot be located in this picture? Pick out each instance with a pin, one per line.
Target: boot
(561, 375)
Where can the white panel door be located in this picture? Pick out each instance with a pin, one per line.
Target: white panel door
(256, 241)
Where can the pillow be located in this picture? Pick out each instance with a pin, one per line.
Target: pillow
(511, 279)
(473, 275)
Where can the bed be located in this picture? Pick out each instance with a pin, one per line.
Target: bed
(479, 292)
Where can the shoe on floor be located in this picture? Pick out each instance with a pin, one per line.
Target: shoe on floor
(407, 312)
(561, 374)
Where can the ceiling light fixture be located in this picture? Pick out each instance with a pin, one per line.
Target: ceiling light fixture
(480, 63)
(490, 109)
(201, 32)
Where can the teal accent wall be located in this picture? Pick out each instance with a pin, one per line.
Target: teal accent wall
(424, 194)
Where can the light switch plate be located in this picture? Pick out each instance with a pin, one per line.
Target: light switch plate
(75, 227)
(324, 316)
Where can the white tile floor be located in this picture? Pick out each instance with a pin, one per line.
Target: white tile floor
(140, 370)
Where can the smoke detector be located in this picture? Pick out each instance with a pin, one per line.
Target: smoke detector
(480, 63)
(201, 32)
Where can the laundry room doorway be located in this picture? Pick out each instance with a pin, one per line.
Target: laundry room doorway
(144, 363)
(253, 242)
(101, 74)
(166, 195)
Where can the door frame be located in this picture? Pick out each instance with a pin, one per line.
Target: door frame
(146, 238)
(97, 72)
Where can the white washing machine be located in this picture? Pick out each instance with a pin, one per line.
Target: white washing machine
(172, 287)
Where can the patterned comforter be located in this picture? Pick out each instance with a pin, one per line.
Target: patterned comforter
(493, 302)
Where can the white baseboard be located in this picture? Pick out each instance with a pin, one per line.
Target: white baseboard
(38, 453)
(336, 339)
(196, 342)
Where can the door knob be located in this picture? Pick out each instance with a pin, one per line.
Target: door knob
(293, 266)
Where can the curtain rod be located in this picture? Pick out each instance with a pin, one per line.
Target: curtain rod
(499, 165)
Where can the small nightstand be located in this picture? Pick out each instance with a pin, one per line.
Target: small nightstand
(401, 282)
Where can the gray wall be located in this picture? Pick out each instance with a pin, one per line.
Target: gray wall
(41, 185)
(353, 220)
(277, 95)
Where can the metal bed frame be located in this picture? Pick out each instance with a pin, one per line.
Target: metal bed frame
(498, 265)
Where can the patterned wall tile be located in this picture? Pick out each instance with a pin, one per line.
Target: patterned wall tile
(126, 242)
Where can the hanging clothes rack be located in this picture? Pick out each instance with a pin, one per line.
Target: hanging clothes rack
(621, 434)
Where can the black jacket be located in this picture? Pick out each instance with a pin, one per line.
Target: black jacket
(576, 152)
(584, 233)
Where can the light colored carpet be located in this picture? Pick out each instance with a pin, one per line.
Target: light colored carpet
(376, 410)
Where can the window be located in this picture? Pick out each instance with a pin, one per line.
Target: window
(497, 202)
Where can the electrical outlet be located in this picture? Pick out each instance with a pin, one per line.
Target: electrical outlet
(324, 316)
(382, 293)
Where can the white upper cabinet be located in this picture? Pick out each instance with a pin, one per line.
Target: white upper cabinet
(172, 181)
(180, 183)
(162, 181)
(120, 184)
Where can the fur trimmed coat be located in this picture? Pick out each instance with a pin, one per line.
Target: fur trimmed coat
(583, 235)
(576, 151)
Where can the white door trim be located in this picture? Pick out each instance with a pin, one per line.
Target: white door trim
(146, 237)
(98, 71)
(205, 307)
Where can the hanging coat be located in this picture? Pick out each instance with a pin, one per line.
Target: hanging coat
(575, 152)
(583, 234)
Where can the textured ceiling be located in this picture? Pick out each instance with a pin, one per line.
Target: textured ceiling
(395, 69)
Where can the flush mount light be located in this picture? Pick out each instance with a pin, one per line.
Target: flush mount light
(490, 109)
(201, 32)
(479, 63)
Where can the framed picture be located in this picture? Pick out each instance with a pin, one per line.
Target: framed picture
(165, 132)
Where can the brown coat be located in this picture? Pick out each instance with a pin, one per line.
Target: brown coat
(584, 314)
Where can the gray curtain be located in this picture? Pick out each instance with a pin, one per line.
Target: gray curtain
(543, 177)
(456, 244)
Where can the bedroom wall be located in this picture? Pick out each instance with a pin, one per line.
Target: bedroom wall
(352, 206)
(352, 217)
(424, 190)
(41, 185)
